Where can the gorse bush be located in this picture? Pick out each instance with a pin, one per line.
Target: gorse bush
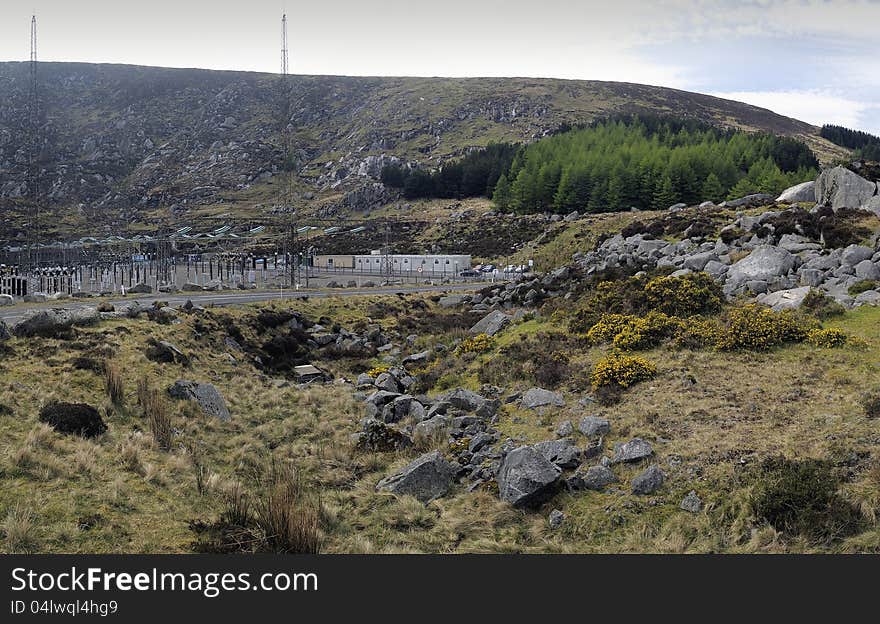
(694, 293)
(862, 286)
(378, 370)
(478, 344)
(620, 370)
(827, 338)
(753, 328)
(688, 295)
(647, 332)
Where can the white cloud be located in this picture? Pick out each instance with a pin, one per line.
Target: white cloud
(813, 106)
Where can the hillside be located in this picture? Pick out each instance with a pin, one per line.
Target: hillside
(127, 144)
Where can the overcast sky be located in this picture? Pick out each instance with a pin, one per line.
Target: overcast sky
(811, 59)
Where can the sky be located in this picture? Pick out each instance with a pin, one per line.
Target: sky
(814, 60)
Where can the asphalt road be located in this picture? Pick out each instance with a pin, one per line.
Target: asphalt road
(14, 314)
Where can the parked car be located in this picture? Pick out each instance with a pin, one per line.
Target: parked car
(487, 268)
(469, 273)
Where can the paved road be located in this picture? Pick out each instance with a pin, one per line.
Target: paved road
(14, 314)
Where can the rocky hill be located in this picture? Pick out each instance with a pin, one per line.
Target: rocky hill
(125, 144)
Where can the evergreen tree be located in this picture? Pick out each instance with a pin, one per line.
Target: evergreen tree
(712, 189)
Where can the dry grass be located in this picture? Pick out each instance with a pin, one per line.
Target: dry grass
(156, 412)
(113, 384)
(19, 530)
(286, 511)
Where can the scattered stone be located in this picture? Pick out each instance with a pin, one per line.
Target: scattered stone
(564, 429)
(206, 395)
(427, 478)
(634, 450)
(538, 397)
(648, 481)
(556, 519)
(141, 289)
(593, 478)
(562, 453)
(378, 437)
(691, 502)
(592, 426)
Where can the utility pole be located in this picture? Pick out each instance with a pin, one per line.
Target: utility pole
(33, 173)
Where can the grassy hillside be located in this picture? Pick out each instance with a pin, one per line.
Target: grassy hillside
(127, 143)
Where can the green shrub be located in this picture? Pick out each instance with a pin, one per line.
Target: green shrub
(754, 328)
(648, 332)
(688, 295)
(870, 402)
(821, 306)
(622, 371)
(800, 497)
(827, 338)
(862, 286)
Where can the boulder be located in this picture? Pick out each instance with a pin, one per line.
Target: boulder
(592, 426)
(593, 478)
(867, 270)
(526, 478)
(563, 453)
(691, 502)
(378, 437)
(141, 289)
(841, 188)
(428, 477)
(790, 299)
(206, 395)
(430, 430)
(634, 450)
(190, 287)
(749, 201)
(538, 397)
(698, 261)
(648, 481)
(556, 517)
(52, 322)
(565, 429)
(4, 332)
(854, 254)
(451, 301)
(73, 418)
(765, 263)
(491, 324)
(805, 192)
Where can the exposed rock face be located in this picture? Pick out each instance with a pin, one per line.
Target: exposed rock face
(491, 324)
(205, 394)
(526, 478)
(73, 418)
(428, 477)
(841, 188)
(805, 192)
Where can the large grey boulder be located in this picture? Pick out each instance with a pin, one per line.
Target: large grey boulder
(854, 254)
(52, 321)
(526, 478)
(470, 401)
(538, 397)
(206, 395)
(765, 263)
(451, 301)
(491, 324)
(634, 450)
(431, 430)
(805, 192)
(428, 477)
(867, 270)
(841, 188)
(648, 481)
(873, 204)
(4, 332)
